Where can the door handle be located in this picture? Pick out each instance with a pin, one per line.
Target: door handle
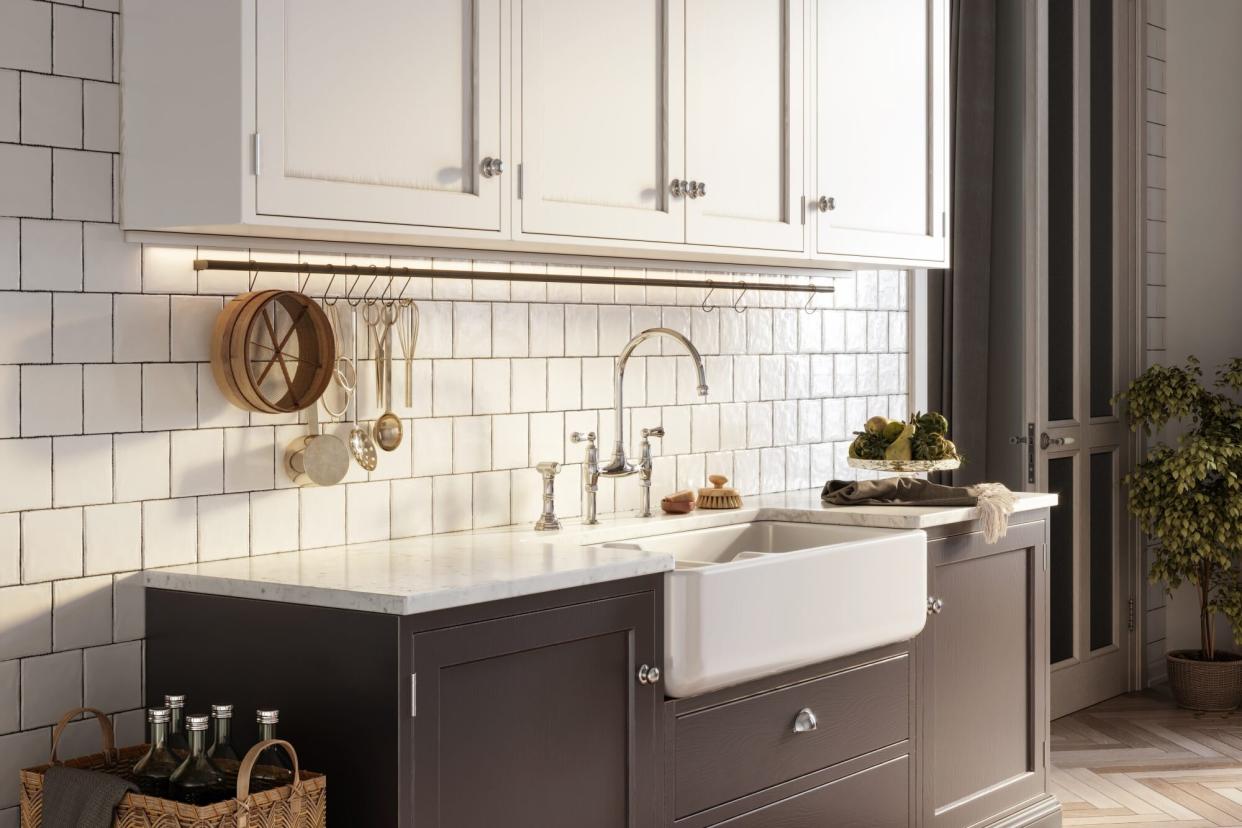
(1045, 441)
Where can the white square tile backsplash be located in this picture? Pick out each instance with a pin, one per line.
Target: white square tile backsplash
(121, 452)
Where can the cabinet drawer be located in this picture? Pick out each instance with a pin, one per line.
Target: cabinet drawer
(745, 746)
(878, 797)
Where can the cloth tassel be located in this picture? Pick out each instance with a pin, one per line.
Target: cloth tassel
(996, 504)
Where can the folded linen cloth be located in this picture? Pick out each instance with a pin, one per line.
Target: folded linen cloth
(994, 501)
(75, 798)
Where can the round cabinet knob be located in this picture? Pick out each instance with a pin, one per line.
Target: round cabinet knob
(691, 188)
(825, 204)
(805, 721)
(680, 187)
(491, 167)
(934, 606)
(648, 675)
(702, 190)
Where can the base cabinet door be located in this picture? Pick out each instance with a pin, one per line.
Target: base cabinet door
(349, 126)
(985, 678)
(881, 138)
(538, 720)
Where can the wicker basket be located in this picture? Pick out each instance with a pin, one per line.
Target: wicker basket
(302, 804)
(1209, 686)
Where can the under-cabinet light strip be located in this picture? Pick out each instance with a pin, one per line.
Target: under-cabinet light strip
(492, 276)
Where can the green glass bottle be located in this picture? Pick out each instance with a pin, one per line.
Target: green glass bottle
(273, 767)
(152, 771)
(197, 780)
(221, 726)
(176, 726)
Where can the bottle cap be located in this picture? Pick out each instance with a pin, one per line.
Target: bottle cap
(197, 722)
(222, 711)
(159, 714)
(174, 701)
(267, 716)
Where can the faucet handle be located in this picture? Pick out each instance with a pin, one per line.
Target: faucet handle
(579, 437)
(548, 468)
(658, 431)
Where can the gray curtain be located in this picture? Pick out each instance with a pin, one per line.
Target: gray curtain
(960, 297)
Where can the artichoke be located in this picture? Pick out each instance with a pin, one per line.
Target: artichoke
(932, 422)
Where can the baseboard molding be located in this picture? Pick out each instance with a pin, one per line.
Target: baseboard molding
(1044, 813)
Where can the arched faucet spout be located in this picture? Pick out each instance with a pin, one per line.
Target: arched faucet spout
(618, 465)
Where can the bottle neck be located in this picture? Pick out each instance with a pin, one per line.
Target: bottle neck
(222, 728)
(177, 720)
(266, 731)
(198, 742)
(159, 734)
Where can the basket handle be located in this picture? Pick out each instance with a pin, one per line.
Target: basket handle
(105, 729)
(247, 765)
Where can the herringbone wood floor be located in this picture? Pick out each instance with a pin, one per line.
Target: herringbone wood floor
(1137, 760)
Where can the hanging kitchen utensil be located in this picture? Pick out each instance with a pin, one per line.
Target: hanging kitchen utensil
(407, 332)
(360, 444)
(388, 429)
(272, 351)
(317, 459)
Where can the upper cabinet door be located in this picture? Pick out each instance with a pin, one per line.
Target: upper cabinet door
(601, 118)
(380, 111)
(744, 123)
(880, 129)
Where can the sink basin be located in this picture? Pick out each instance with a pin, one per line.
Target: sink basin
(759, 598)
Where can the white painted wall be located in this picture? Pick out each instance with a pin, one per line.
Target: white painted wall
(1204, 206)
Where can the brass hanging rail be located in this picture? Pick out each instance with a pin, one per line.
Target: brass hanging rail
(493, 276)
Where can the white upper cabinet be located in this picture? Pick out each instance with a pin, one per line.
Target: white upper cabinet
(599, 115)
(881, 143)
(380, 111)
(744, 125)
(736, 132)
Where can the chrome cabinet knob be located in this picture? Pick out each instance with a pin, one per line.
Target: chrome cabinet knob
(701, 190)
(691, 188)
(491, 167)
(805, 721)
(934, 606)
(680, 187)
(825, 204)
(648, 675)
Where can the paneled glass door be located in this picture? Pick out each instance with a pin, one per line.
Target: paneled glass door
(1081, 446)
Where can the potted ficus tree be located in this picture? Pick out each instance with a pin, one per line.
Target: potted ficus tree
(1188, 497)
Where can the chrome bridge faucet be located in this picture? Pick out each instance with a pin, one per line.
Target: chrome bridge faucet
(618, 465)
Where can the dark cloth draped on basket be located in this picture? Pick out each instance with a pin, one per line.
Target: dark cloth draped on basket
(994, 501)
(75, 798)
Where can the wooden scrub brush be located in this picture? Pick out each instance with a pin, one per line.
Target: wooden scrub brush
(719, 496)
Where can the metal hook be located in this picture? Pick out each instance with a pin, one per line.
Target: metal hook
(330, 301)
(736, 309)
(807, 307)
(710, 290)
(401, 300)
(254, 273)
(349, 293)
(302, 283)
(366, 294)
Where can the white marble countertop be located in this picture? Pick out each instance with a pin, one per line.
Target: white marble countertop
(413, 575)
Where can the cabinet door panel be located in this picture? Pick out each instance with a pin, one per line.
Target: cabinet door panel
(744, 128)
(537, 721)
(880, 127)
(985, 683)
(601, 118)
(381, 114)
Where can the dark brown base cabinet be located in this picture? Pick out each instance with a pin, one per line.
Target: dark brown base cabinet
(530, 711)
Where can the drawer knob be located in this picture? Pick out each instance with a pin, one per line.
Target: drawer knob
(934, 605)
(491, 167)
(805, 721)
(648, 675)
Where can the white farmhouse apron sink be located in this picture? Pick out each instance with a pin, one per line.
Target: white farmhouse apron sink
(759, 598)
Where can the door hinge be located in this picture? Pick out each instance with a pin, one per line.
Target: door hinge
(519, 181)
(803, 210)
(1045, 557)
(257, 148)
(1130, 616)
(1030, 454)
(413, 695)
(944, 222)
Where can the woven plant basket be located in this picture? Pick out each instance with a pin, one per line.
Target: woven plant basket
(1209, 686)
(302, 804)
